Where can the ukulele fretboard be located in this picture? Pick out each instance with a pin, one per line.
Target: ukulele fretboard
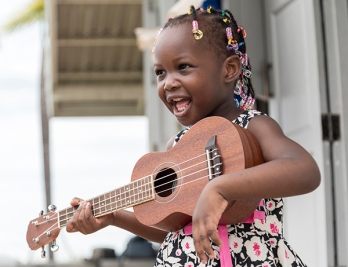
(137, 192)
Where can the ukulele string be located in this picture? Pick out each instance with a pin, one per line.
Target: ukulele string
(123, 193)
(111, 209)
(49, 229)
(124, 196)
(159, 179)
(56, 215)
(148, 190)
(163, 170)
(67, 215)
(97, 210)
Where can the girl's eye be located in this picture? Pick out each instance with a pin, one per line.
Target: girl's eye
(183, 66)
(159, 72)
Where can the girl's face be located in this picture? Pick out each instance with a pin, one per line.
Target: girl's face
(191, 79)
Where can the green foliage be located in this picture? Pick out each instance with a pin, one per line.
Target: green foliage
(32, 13)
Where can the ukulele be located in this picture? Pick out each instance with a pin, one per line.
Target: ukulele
(165, 186)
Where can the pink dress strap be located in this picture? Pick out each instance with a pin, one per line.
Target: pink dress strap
(225, 255)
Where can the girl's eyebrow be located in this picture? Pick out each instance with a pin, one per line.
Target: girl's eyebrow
(174, 60)
(181, 57)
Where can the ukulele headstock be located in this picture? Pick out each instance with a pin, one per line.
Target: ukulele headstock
(42, 230)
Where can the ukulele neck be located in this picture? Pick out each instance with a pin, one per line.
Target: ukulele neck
(134, 193)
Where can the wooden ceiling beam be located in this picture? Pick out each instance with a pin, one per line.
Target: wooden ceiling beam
(102, 76)
(97, 42)
(97, 92)
(99, 2)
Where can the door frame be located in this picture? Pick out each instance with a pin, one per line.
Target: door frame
(334, 31)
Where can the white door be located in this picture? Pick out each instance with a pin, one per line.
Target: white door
(295, 104)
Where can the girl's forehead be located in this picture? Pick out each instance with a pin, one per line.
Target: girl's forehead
(179, 38)
(173, 32)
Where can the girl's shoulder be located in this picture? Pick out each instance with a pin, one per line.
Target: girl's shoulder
(244, 118)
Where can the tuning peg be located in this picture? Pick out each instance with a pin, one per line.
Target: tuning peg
(54, 246)
(43, 253)
(52, 207)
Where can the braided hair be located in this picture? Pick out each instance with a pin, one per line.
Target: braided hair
(224, 37)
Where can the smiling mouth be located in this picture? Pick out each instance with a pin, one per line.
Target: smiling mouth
(180, 104)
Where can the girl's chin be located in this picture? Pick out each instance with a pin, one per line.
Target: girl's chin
(186, 121)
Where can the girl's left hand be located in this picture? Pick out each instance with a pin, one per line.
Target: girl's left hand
(205, 220)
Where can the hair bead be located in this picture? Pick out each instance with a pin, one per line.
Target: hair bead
(226, 20)
(197, 34)
(229, 38)
(241, 29)
(194, 26)
(231, 44)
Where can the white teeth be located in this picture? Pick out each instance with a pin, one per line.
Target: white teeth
(177, 99)
(182, 108)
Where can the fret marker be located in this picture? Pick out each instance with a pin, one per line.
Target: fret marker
(127, 188)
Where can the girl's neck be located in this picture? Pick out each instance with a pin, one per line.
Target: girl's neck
(228, 113)
(234, 115)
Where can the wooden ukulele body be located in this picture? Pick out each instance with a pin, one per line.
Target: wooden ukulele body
(172, 209)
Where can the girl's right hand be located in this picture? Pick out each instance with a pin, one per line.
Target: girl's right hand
(84, 221)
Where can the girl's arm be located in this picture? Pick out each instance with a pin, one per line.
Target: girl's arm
(83, 221)
(288, 170)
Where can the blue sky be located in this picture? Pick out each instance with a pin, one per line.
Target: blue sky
(89, 156)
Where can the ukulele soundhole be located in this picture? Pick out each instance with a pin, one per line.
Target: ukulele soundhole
(165, 182)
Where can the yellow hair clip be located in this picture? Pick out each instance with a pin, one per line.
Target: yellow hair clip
(197, 33)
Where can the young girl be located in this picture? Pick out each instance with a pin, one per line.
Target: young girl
(203, 70)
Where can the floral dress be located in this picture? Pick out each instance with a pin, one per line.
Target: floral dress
(256, 242)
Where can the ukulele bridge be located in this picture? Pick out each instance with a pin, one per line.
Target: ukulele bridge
(214, 161)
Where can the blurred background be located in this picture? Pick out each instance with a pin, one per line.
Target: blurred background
(88, 155)
(78, 107)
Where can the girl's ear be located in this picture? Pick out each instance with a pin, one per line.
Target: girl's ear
(232, 67)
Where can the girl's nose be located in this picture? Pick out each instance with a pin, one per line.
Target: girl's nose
(171, 83)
